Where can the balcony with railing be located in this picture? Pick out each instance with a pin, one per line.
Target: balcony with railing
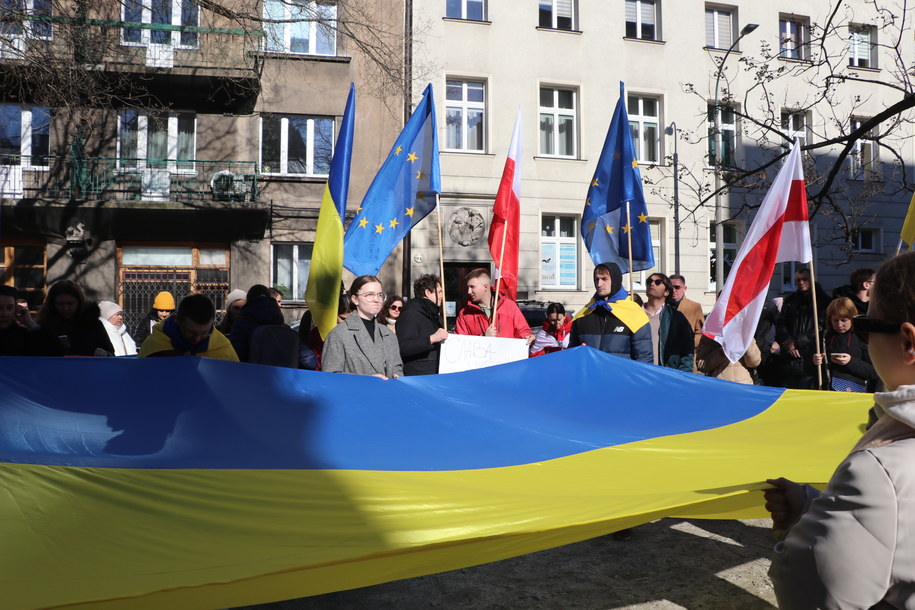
(127, 179)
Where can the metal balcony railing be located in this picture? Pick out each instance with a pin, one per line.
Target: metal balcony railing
(127, 179)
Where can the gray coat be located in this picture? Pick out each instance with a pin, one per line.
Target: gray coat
(350, 349)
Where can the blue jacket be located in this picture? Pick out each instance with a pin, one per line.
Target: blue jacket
(602, 330)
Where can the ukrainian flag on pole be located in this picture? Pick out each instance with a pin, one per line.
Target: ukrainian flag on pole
(322, 294)
(401, 194)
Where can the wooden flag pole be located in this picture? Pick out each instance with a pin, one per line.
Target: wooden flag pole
(629, 236)
(816, 324)
(495, 306)
(441, 259)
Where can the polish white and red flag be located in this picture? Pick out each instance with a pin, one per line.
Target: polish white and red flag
(504, 231)
(780, 233)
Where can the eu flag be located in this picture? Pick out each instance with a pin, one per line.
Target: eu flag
(617, 184)
(401, 194)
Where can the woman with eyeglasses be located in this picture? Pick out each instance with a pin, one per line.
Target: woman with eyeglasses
(390, 311)
(360, 345)
(853, 545)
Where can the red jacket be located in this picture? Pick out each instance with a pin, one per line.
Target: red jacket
(510, 323)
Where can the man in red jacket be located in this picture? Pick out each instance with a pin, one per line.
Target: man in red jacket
(476, 316)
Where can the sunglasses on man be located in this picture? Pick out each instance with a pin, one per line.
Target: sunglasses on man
(864, 325)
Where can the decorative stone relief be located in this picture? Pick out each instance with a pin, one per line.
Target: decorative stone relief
(466, 226)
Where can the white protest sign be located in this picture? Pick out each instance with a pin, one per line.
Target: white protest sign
(463, 352)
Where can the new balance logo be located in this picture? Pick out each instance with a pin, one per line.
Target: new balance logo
(619, 329)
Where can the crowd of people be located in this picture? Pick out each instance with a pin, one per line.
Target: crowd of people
(391, 335)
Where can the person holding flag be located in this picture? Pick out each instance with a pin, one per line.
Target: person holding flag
(404, 191)
(325, 278)
(615, 225)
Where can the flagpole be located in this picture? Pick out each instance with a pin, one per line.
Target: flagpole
(495, 306)
(441, 258)
(816, 324)
(629, 236)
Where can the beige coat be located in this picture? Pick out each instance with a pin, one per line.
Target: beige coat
(711, 361)
(855, 544)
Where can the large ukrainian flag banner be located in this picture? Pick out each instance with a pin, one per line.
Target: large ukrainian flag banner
(325, 275)
(195, 483)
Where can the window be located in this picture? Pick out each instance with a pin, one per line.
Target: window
(866, 240)
(473, 10)
(861, 46)
(723, 139)
(25, 135)
(656, 242)
(559, 252)
(794, 37)
(23, 264)
(730, 236)
(164, 140)
(641, 19)
(557, 14)
(164, 13)
(25, 19)
(644, 118)
(863, 157)
(788, 271)
(291, 263)
(300, 26)
(296, 144)
(557, 122)
(465, 115)
(794, 124)
(719, 27)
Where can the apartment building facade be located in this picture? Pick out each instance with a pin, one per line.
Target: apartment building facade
(725, 86)
(150, 146)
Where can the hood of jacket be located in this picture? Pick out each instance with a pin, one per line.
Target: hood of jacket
(263, 311)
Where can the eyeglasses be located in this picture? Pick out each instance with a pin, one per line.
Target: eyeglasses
(372, 296)
(675, 287)
(396, 307)
(655, 281)
(864, 325)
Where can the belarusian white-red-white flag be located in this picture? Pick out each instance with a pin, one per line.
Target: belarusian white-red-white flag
(780, 233)
(506, 215)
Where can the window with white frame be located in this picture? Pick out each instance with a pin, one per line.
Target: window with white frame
(863, 159)
(788, 271)
(654, 226)
(722, 141)
(862, 46)
(866, 240)
(465, 115)
(730, 236)
(557, 14)
(25, 135)
(303, 27)
(291, 263)
(559, 252)
(296, 144)
(471, 10)
(558, 129)
(644, 121)
(642, 19)
(160, 12)
(25, 19)
(794, 124)
(793, 37)
(157, 139)
(719, 26)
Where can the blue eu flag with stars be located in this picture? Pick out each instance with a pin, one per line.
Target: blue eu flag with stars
(617, 184)
(401, 194)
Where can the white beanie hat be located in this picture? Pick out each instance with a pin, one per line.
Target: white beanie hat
(108, 309)
(235, 295)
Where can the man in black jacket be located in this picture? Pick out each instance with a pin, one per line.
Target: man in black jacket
(419, 327)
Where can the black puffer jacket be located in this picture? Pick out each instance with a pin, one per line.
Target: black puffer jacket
(418, 321)
(859, 369)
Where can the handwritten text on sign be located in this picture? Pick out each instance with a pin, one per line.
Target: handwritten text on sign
(463, 352)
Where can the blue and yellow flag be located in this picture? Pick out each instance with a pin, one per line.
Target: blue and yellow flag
(616, 186)
(236, 484)
(401, 194)
(322, 294)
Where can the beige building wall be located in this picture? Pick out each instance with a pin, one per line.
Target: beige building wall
(514, 58)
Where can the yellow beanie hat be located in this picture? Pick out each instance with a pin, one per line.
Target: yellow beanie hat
(164, 300)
